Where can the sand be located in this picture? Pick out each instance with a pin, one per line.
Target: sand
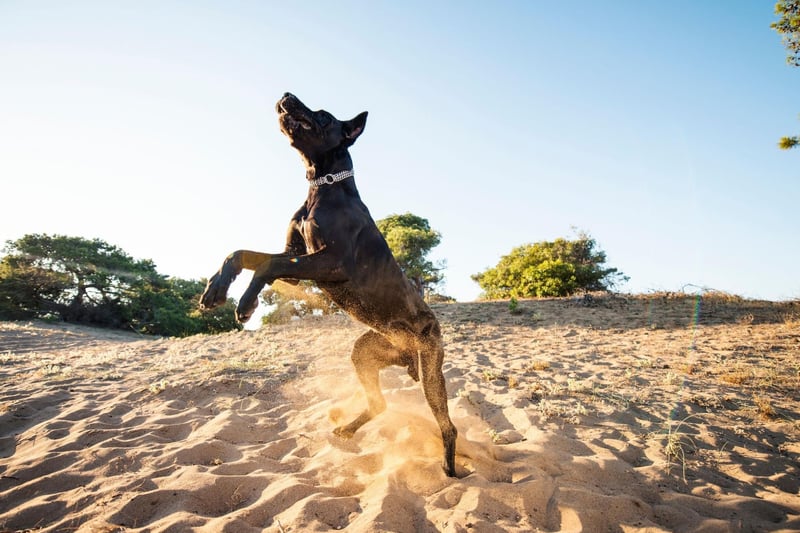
(622, 414)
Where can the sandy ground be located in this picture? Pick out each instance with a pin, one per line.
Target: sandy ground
(656, 413)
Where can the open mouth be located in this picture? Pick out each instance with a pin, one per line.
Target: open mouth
(291, 118)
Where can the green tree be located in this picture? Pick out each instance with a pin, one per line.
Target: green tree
(90, 281)
(788, 26)
(76, 279)
(168, 306)
(27, 291)
(549, 268)
(411, 239)
(295, 300)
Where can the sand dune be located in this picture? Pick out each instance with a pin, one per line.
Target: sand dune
(659, 413)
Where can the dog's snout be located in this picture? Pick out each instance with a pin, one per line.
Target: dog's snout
(281, 107)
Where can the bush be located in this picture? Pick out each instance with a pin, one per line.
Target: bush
(550, 268)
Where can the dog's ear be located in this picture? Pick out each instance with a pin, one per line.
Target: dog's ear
(352, 128)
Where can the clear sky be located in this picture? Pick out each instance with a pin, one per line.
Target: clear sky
(651, 125)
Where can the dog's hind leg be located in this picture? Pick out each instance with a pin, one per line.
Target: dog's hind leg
(371, 353)
(431, 356)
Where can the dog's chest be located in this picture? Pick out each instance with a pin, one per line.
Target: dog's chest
(312, 236)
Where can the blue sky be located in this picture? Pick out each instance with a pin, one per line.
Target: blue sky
(651, 125)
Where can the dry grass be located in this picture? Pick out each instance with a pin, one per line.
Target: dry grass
(764, 407)
(538, 366)
(678, 444)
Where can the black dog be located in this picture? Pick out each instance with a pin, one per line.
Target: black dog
(333, 241)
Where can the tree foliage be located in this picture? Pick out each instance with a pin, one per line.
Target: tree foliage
(549, 268)
(788, 26)
(295, 301)
(411, 238)
(785, 143)
(93, 282)
(168, 306)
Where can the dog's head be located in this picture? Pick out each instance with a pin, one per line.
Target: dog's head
(316, 133)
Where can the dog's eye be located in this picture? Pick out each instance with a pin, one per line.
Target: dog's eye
(323, 119)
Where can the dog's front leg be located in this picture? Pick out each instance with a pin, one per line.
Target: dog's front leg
(216, 291)
(319, 266)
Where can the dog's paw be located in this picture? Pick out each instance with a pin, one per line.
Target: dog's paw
(215, 294)
(242, 316)
(245, 309)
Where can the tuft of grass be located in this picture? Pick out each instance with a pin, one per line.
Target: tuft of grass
(158, 387)
(721, 296)
(707, 401)
(764, 407)
(236, 499)
(676, 443)
(578, 386)
(490, 374)
(513, 306)
(538, 365)
(55, 369)
(549, 409)
(672, 379)
(735, 377)
(553, 389)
